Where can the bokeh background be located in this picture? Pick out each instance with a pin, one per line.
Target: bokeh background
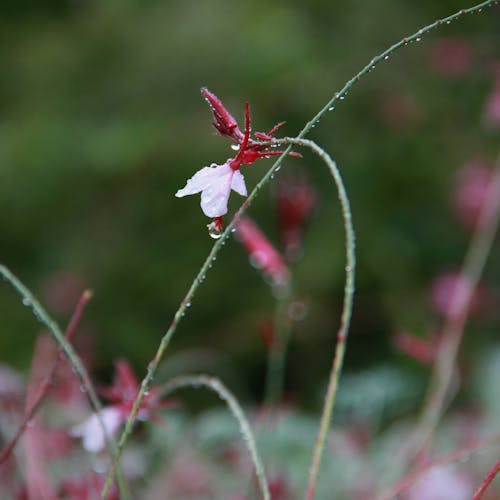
(101, 121)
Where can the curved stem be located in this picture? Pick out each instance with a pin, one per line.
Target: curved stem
(217, 386)
(153, 365)
(42, 315)
(345, 319)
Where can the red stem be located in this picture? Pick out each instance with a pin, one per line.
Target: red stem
(487, 481)
(46, 384)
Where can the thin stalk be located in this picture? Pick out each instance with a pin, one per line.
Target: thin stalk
(223, 392)
(181, 311)
(49, 379)
(487, 481)
(42, 315)
(338, 358)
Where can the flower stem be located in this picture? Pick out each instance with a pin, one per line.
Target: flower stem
(487, 481)
(345, 320)
(217, 386)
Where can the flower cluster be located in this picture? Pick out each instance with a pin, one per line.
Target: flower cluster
(216, 182)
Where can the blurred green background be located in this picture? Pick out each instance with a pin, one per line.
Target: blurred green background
(101, 121)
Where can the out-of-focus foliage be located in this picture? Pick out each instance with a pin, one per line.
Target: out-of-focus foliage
(101, 121)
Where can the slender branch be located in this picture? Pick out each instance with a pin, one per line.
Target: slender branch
(42, 315)
(456, 456)
(345, 319)
(486, 481)
(181, 311)
(49, 379)
(223, 392)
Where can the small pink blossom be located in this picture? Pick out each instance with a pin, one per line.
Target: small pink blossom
(216, 182)
(491, 113)
(91, 431)
(262, 253)
(122, 394)
(448, 293)
(295, 200)
(471, 190)
(421, 349)
(442, 483)
(450, 57)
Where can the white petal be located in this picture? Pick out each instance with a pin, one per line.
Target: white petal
(238, 183)
(91, 430)
(202, 179)
(215, 197)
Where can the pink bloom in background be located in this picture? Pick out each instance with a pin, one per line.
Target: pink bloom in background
(471, 190)
(262, 253)
(450, 57)
(295, 200)
(442, 483)
(216, 182)
(122, 394)
(422, 350)
(491, 113)
(443, 292)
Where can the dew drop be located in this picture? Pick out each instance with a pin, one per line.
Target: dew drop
(418, 39)
(188, 304)
(26, 301)
(342, 97)
(214, 231)
(331, 108)
(386, 58)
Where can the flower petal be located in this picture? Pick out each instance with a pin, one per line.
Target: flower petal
(91, 430)
(200, 180)
(238, 183)
(215, 197)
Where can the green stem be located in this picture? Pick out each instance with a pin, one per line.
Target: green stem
(338, 358)
(41, 314)
(217, 386)
(153, 365)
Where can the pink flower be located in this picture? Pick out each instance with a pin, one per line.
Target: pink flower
(422, 350)
(122, 394)
(295, 200)
(91, 431)
(448, 292)
(262, 253)
(450, 57)
(471, 190)
(216, 182)
(492, 107)
(442, 483)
